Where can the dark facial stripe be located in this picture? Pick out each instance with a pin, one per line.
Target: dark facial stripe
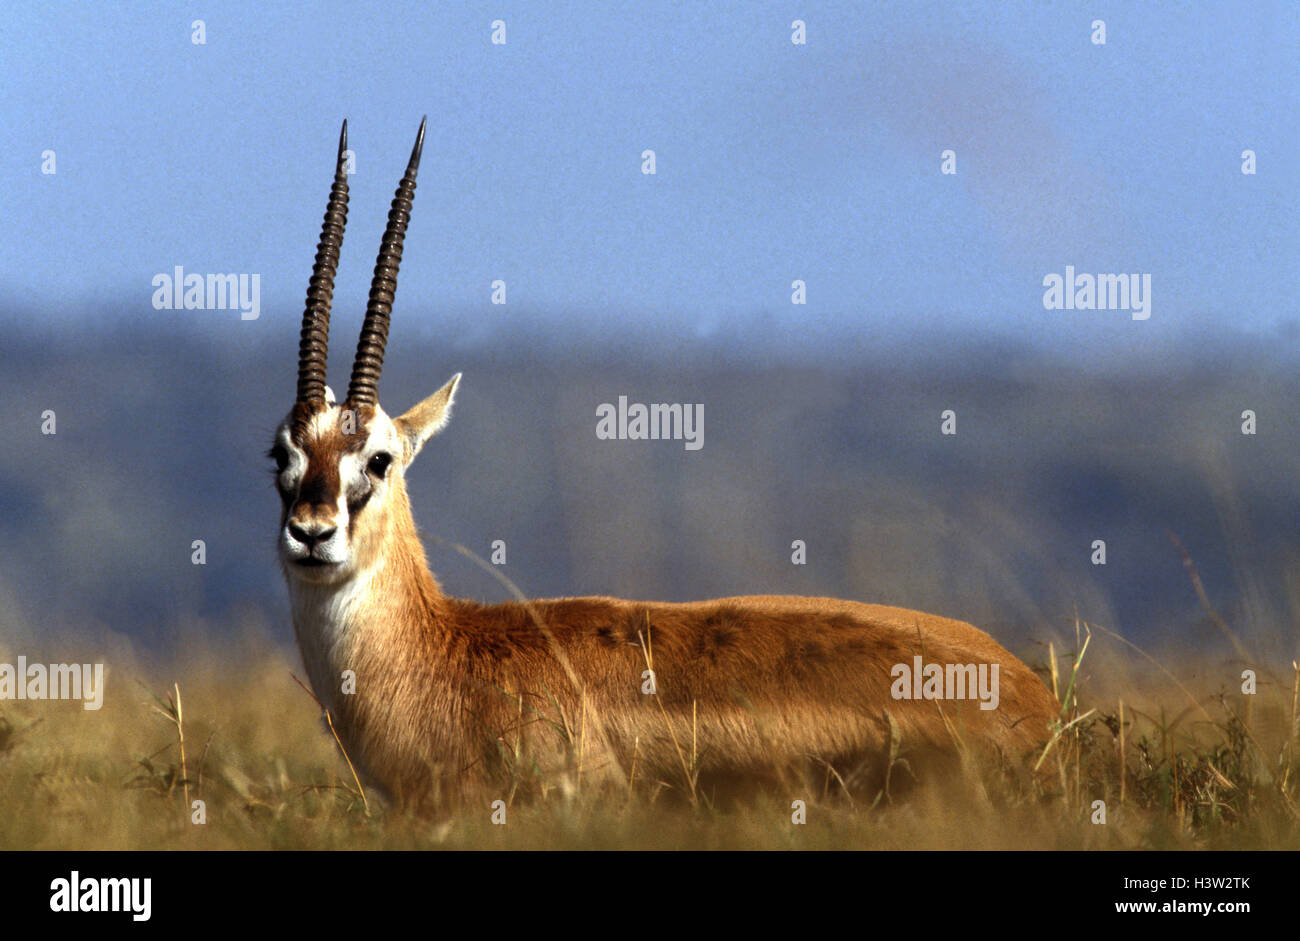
(320, 487)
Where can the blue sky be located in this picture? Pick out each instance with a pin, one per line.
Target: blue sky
(774, 162)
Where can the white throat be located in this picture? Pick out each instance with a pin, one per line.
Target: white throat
(327, 619)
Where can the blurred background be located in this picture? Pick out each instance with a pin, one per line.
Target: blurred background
(774, 162)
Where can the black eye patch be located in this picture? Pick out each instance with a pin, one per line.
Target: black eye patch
(359, 495)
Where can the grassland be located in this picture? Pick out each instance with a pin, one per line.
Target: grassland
(1180, 756)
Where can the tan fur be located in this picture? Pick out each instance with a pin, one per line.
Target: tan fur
(453, 694)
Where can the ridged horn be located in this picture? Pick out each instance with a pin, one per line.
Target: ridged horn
(313, 344)
(363, 390)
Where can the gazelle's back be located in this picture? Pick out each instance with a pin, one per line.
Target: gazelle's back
(758, 680)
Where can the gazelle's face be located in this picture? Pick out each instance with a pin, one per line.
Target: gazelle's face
(339, 467)
(340, 471)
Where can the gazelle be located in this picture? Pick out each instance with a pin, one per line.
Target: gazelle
(444, 692)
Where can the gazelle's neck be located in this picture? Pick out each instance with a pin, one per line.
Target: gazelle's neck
(369, 623)
(375, 647)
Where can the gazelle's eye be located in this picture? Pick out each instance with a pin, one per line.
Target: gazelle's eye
(281, 458)
(378, 464)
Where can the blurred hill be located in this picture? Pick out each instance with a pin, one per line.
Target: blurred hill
(161, 434)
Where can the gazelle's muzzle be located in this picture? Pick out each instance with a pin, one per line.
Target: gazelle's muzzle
(314, 536)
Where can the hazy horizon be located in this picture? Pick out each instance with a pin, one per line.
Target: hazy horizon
(161, 440)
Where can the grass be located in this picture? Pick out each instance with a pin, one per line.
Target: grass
(1210, 768)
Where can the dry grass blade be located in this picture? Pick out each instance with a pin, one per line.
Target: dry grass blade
(689, 772)
(556, 650)
(1204, 599)
(329, 721)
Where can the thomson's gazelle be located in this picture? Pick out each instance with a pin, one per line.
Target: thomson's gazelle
(450, 692)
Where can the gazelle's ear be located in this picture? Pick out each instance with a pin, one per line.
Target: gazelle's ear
(425, 420)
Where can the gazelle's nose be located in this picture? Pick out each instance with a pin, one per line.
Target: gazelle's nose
(311, 532)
